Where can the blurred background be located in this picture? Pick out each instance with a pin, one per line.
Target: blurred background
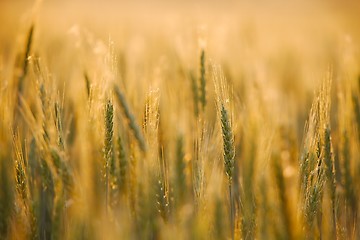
(233, 31)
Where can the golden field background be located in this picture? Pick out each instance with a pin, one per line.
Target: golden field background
(104, 133)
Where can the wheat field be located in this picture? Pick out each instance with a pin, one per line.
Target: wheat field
(179, 120)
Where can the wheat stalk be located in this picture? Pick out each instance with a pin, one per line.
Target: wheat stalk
(109, 166)
(227, 138)
(131, 119)
(202, 80)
